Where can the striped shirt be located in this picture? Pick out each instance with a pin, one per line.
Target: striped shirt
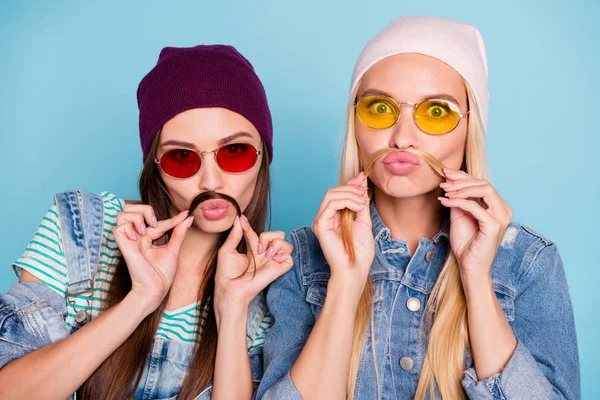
(44, 258)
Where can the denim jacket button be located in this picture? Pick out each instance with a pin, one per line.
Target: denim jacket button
(429, 256)
(413, 304)
(406, 363)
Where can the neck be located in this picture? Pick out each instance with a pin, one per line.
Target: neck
(194, 257)
(412, 218)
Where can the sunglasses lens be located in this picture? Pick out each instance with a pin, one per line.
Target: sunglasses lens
(377, 112)
(237, 157)
(437, 117)
(180, 163)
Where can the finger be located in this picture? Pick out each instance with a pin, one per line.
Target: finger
(281, 256)
(455, 174)
(124, 233)
(337, 205)
(144, 209)
(249, 234)
(272, 271)
(475, 191)
(487, 223)
(166, 225)
(276, 246)
(357, 180)
(266, 237)
(330, 196)
(135, 218)
(454, 185)
(364, 215)
(496, 205)
(349, 188)
(234, 237)
(178, 234)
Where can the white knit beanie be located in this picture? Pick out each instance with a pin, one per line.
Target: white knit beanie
(458, 45)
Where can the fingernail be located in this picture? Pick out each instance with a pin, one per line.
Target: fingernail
(154, 221)
(260, 248)
(445, 185)
(236, 221)
(279, 257)
(132, 234)
(270, 252)
(184, 212)
(362, 188)
(143, 230)
(447, 194)
(245, 219)
(191, 222)
(442, 198)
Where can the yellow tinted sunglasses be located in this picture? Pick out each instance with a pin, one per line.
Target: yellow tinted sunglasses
(433, 116)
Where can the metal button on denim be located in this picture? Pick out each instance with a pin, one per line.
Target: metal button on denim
(413, 304)
(429, 256)
(406, 363)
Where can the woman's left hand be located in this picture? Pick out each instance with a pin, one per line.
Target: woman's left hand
(268, 257)
(476, 229)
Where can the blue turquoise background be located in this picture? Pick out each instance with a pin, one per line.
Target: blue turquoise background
(68, 115)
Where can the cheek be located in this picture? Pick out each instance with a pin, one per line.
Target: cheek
(241, 188)
(450, 149)
(181, 194)
(369, 142)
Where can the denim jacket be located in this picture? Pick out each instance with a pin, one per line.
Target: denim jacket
(32, 315)
(529, 283)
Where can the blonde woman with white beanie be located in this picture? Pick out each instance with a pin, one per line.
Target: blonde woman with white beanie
(429, 289)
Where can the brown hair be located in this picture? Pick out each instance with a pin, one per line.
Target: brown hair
(119, 375)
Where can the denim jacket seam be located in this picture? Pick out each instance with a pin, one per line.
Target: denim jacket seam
(535, 234)
(23, 345)
(31, 308)
(533, 251)
(297, 243)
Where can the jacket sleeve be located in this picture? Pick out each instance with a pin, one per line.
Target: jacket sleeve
(293, 323)
(545, 363)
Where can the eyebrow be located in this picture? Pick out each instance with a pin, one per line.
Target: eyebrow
(233, 137)
(221, 142)
(439, 96)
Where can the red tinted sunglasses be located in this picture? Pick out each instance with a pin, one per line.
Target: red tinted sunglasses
(232, 158)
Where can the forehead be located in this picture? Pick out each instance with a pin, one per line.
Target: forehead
(206, 126)
(410, 77)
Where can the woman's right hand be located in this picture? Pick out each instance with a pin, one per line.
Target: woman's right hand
(152, 268)
(327, 228)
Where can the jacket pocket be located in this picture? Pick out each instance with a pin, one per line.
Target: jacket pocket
(317, 291)
(16, 340)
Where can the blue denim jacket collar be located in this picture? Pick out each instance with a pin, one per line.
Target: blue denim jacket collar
(382, 232)
(424, 265)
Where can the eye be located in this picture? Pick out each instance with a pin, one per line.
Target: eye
(438, 110)
(236, 148)
(180, 154)
(380, 107)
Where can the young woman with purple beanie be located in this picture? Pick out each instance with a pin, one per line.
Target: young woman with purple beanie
(162, 298)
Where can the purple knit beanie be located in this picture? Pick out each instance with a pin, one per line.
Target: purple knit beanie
(201, 77)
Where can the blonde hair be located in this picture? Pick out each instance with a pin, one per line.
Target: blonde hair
(446, 309)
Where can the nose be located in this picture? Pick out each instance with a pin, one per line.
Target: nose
(405, 133)
(210, 174)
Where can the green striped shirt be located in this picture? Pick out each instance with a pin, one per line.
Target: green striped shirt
(44, 258)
